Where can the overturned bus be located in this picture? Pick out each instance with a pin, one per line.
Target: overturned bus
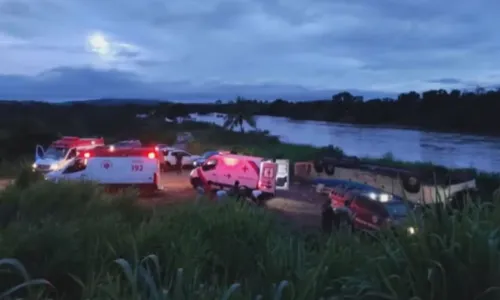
(436, 185)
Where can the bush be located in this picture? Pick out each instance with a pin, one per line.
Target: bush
(73, 234)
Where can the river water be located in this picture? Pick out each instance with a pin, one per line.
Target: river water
(447, 149)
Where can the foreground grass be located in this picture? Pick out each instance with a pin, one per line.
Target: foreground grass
(91, 245)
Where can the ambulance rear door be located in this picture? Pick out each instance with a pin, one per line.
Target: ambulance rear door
(267, 177)
(283, 174)
(123, 170)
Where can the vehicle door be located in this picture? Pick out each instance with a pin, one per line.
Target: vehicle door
(39, 152)
(367, 212)
(283, 174)
(208, 172)
(267, 177)
(167, 156)
(186, 158)
(69, 158)
(75, 170)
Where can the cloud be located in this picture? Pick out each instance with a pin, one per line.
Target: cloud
(63, 84)
(328, 45)
(446, 81)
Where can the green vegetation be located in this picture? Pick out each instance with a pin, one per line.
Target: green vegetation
(91, 245)
(17, 147)
(76, 242)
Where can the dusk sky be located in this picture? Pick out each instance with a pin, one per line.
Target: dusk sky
(186, 49)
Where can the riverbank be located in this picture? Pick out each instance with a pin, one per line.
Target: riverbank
(263, 144)
(208, 137)
(448, 149)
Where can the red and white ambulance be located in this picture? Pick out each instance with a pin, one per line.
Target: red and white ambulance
(138, 167)
(62, 152)
(224, 170)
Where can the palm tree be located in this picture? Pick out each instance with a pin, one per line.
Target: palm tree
(238, 120)
(239, 117)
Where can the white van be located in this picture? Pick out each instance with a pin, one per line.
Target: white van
(62, 152)
(138, 167)
(256, 173)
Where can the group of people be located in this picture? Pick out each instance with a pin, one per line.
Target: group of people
(237, 191)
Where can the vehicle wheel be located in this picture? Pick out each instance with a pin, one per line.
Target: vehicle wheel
(329, 168)
(318, 166)
(411, 184)
(327, 216)
(195, 182)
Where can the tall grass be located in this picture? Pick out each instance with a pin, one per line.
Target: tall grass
(91, 245)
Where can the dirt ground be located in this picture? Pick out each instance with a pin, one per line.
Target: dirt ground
(300, 203)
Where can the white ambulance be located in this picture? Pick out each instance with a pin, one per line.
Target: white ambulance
(256, 173)
(62, 152)
(138, 167)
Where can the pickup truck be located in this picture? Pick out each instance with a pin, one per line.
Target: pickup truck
(364, 209)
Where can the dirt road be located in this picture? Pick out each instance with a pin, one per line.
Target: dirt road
(300, 203)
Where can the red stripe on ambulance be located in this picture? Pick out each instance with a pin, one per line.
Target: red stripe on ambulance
(254, 167)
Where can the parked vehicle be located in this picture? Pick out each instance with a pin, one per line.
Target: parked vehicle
(137, 167)
(62, 152)
(170, 159)
(365, 208)
(228, 170)
(198, 162)
(126, 144)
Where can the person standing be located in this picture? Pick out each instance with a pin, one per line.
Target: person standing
(178, 163)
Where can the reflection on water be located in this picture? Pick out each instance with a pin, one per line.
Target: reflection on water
(447, 149)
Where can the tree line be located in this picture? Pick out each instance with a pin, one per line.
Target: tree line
(24, 123)
(456, 111)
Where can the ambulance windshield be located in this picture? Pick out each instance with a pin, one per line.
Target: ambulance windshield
(55, 152)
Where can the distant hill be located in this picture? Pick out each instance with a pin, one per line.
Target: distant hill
(108, 102)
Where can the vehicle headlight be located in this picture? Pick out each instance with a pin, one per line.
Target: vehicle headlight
(411, 230)
(384, 198)
(53, 166)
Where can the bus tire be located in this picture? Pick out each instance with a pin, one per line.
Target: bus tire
(411, 184)
(318, 166)
(329, 168)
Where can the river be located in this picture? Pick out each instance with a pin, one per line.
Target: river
(447, 149)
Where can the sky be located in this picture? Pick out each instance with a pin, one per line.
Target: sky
(217, 49)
